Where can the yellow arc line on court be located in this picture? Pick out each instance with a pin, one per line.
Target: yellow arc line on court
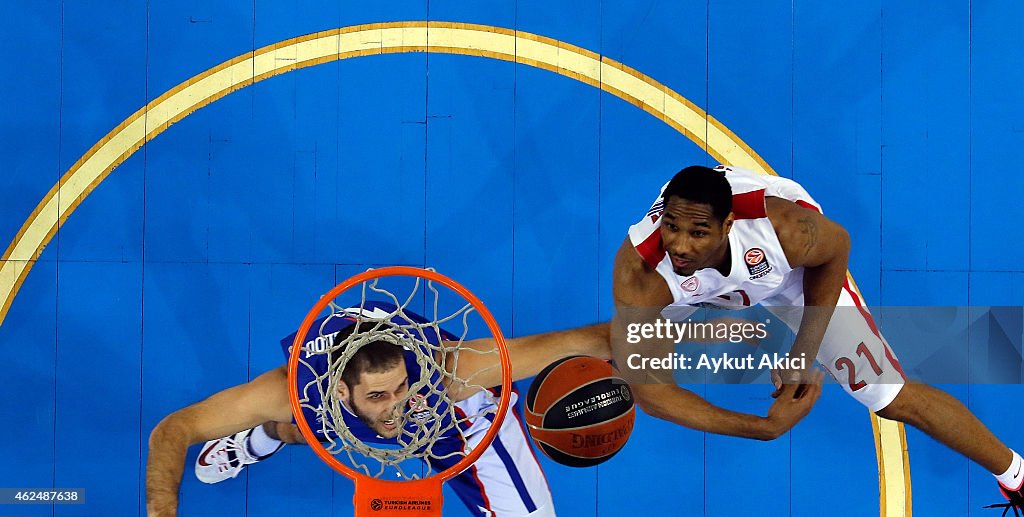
(398, 37)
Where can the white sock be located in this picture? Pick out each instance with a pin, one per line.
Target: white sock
(261, 444)
(1013, 478)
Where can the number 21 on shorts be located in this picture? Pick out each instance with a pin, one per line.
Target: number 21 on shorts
(845, 363)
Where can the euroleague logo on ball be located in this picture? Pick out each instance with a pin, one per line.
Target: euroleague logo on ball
(757, 263)
(376, 504)
(625, 393)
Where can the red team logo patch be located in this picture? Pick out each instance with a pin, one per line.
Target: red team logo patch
(757, 263)
(690, 284)
(418, 407)
(417, 402)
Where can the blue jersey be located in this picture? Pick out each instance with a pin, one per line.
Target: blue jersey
(319, 339)
(506, 480)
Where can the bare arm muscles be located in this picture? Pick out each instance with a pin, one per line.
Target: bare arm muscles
(235, 409)
(478, 362)
(822, 247)
(640, 295)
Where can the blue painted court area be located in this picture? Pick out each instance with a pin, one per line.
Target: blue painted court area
(176, 277)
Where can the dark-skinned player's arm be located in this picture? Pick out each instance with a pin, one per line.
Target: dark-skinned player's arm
(640, 295)
(822, 247)
(264, 399)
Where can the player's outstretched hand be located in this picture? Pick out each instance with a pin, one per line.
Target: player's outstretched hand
(794, 402)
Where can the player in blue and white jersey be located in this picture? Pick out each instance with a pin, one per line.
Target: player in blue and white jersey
(248, 423)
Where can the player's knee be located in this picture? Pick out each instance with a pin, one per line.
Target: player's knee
(905, 407)
(891, 412)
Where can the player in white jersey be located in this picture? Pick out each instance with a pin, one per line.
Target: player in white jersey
(730, 238)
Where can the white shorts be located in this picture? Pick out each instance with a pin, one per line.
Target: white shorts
(507, 479)
(853, 351)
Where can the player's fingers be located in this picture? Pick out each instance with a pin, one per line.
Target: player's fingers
(813, 390)
(789, 390)
(799, 392)
(793, 377)
(810, 387)
(777, 382)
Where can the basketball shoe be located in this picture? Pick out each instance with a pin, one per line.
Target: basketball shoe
(1014, 498)
(224, 458)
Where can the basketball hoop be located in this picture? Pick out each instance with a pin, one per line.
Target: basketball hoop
(437, 353)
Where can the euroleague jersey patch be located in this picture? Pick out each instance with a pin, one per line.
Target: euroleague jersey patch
(757, 263)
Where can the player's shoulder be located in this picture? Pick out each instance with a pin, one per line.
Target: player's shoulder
(801, 230)
(635, 282)
(742, 180)
(745, 180)
(786, 216)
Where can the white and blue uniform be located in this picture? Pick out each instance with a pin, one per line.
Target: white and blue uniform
(853, 350)
(505, 481)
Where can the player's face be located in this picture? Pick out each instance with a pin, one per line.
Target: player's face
(693, 238)
(376, 398)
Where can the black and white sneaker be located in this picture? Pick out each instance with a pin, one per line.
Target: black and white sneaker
(1014, 500)
(224, 458)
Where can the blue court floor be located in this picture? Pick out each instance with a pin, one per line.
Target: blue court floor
(174, 274)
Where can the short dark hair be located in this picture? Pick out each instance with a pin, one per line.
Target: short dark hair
(375, 356)
(703, 185)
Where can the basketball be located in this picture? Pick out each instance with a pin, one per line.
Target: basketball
(579, 411)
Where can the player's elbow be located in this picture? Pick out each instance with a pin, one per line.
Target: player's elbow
(169, 430)
(158, 437)
(842, 241)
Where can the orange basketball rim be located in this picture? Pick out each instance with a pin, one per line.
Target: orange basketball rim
(378, 497)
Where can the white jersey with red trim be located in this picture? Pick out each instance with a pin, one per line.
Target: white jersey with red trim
(852, 350)
(759, 266)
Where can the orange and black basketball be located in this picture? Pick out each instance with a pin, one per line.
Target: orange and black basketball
(579, 411)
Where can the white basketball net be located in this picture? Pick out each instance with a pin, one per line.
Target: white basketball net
(423, 425)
